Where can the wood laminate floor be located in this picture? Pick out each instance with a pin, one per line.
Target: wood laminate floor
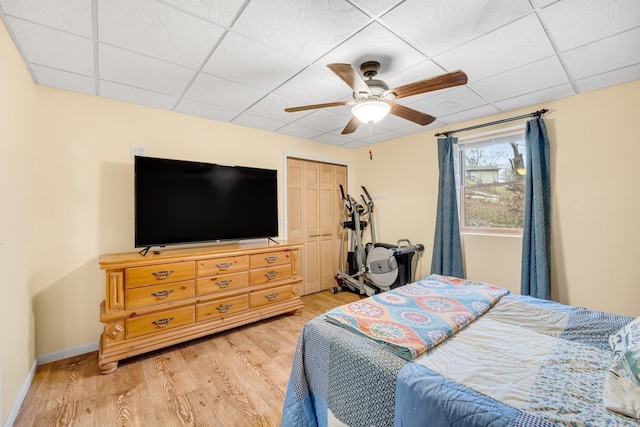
(233, 378)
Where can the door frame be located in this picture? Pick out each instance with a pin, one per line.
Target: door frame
(288, 154)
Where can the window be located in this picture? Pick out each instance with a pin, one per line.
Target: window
(492, 173)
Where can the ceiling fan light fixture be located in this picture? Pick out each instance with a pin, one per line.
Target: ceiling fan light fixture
(371, 111)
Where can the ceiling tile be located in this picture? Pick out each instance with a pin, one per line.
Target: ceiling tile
(244, 61)
(528, 78)
(73, 16)
(354, 144)
(435, 26)
(376, 135)
(573, 23)
(333, 139)
(449, 102)
(272, 107)
(411, 129)
(473, 113)
(536, 97)
(301, 28)
(315, 85)
(259, 122)
(299, 131)
(222, 12)
(322, 120)
(137, 96)
(621, 75)
(376, 7)
(216, 91)
(367, 133)
(614, 52)
(157, 30)
(205, 110)
(132, 69)
(542, 3)
(375, 43)
(420, 71)
(513, 45)
(53, 48)
(64, 80)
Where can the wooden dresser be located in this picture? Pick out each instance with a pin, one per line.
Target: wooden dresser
(158, 300)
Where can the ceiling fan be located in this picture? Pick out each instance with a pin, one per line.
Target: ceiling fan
(372, 98)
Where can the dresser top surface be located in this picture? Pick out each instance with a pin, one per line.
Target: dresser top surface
(132, 259)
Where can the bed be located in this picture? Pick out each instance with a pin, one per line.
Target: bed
(445, 351)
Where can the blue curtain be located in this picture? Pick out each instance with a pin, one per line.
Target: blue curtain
(536, 234)
(447, 251)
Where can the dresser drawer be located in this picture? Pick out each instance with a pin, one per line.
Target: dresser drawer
(154, 274)
(221, 307)
(231, 264)
(153, 323)
(269, 296)
(157, 294)
(272, 274)
(270, 258)
(221, 283)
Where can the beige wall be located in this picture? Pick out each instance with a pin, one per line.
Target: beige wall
(17, 221)
(86, 192)
(596, 216)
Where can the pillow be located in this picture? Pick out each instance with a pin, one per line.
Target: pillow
(627, 336)
(622, 386)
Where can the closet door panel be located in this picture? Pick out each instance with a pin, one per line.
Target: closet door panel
(312, 265)
(295, 204)
(314, 205)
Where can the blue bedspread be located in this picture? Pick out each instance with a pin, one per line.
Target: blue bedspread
(342, 378)
(424, 398)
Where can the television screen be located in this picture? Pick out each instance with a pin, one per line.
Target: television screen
(180, 201)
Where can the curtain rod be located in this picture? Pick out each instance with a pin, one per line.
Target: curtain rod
(536, 114)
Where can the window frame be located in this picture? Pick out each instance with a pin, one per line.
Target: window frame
(475, 139)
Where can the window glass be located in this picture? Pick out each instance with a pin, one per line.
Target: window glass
(492, 173)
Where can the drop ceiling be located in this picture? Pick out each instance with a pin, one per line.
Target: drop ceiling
(244, 61)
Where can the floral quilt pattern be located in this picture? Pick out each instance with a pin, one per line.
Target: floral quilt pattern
(413, 318)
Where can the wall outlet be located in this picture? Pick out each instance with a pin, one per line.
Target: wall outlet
(136, 151)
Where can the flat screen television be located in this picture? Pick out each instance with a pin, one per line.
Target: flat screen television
(179, 202)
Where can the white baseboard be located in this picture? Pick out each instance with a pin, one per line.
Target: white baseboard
(13, 414)
(41, 360)
(67, 352)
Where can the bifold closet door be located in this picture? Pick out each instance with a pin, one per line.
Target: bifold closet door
(313, 217)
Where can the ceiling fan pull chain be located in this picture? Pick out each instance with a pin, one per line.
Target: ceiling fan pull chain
(370, 132)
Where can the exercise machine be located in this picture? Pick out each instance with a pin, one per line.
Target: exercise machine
(373, 267)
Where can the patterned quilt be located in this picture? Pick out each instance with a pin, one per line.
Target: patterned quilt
(411, 319)
(524, 363)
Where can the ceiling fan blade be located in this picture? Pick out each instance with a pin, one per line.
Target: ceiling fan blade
(454, 78)
(350, 77)
(411, 114)
(314, 106)
(351, 126)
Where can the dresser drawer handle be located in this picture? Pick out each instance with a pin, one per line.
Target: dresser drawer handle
(224, 283)
(161, 323)
(162, 294)
(223, 308)
(162, 274)
(224, 265)
(271, 275)
(271, 259)
(272, 296)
